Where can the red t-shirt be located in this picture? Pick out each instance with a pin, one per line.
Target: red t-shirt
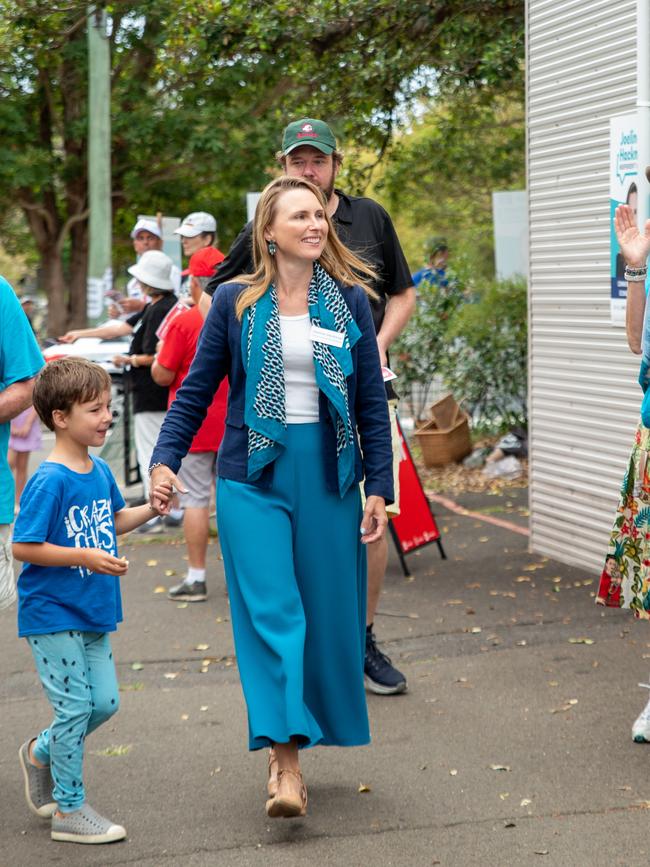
(177, 353)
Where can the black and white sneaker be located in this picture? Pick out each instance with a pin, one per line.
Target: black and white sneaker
(186, 592)
(381, 677)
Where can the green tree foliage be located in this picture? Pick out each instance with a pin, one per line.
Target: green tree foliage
(442, 173)
(200, 92)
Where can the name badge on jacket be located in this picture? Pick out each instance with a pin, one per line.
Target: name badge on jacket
(324, 335)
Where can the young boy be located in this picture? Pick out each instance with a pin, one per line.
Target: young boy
(69, 592)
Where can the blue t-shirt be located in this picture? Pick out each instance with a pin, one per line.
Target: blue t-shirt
(435, 276)
(74, 510)
(20, 358)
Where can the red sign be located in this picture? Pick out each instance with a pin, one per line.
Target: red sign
(415, 525)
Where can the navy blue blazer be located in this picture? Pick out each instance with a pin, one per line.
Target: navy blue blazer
(218, 355)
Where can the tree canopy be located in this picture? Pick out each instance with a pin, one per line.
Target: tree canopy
(201, 90)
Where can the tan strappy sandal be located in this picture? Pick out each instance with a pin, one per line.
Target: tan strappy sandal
(291, 798)
(272, 784)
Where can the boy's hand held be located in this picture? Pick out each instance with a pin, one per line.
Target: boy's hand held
(98, 560)
(163, 483)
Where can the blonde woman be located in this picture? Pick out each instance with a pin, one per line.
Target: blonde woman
(297, 342)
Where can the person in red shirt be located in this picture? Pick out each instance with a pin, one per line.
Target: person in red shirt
(170, 368)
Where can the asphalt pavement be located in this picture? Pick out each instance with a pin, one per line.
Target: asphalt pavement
(512, 745)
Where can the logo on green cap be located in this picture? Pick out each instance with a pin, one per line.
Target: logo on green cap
(308, 131)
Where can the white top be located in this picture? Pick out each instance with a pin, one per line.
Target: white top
(299, 374)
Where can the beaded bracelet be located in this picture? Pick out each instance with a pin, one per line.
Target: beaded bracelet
(636, 275)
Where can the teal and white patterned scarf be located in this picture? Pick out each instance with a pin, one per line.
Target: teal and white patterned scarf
(265, 412)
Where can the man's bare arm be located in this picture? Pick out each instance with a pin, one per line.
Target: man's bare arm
(399, 310)
(15, 398)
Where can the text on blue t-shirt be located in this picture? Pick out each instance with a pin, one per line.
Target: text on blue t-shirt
(75, 510)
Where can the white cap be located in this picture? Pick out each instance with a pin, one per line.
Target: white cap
(154, 269)
(196, 223)
(146, 226)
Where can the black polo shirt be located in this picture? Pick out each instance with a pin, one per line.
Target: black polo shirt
(148, 396)
(364, 227)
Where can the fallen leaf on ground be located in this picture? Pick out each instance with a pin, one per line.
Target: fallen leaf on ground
(532, 567)
(152, 562)
(216, 771)
(504, 795)
(454, 602)
(170, 572)
(185, 716)
(484, 538)
(521, 643)
(453, 772)
(202, 647)
(363, 788)
(182, 604)
(117, 750)
(581, 641)
(160, 589)
(521, 578)
(474, 586)
(137, 666)
(541, 851)
(203, 707)
(500, 767)
(525, 802)
(171, 675)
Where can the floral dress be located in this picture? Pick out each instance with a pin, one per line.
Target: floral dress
(625, 579)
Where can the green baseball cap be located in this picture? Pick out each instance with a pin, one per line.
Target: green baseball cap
(308, 131)
(436, 245)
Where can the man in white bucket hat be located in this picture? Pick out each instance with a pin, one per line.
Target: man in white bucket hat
(154, 273)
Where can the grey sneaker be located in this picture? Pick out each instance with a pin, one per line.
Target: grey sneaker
(85, 826)
(38, 785)
(185, 592)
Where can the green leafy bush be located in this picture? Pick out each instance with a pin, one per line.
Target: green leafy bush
(420, 350)
(477, 343)
(486, 361)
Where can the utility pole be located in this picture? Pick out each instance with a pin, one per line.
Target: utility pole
(100, 272)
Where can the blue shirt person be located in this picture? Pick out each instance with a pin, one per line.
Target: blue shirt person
(20, 361)
(435, 271)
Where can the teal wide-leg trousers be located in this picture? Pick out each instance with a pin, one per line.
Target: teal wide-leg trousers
(296, 575)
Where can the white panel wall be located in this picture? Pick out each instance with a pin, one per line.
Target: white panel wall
(584, 399)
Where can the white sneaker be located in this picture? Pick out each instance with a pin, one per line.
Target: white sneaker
(641, 727)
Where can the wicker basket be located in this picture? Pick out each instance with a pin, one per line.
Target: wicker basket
(440, 447)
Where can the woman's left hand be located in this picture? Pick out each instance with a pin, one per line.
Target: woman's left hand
(374, 521)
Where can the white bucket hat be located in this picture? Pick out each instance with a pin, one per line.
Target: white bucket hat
(154, 269)
(195, 223)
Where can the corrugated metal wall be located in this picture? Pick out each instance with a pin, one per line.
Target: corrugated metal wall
(583, 394)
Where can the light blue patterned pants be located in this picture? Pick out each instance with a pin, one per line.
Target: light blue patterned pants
(78, 674)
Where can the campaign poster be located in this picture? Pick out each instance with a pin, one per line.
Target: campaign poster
(624, 167)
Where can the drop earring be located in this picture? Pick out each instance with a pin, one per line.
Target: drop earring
(272, 248)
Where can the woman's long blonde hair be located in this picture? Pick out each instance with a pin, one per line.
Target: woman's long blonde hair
(339, 262)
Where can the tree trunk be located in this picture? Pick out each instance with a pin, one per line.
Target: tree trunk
(53, 278)
(78, 274)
